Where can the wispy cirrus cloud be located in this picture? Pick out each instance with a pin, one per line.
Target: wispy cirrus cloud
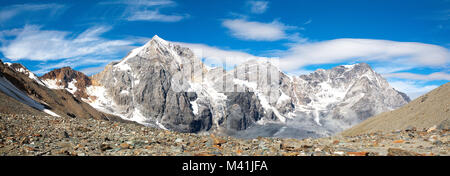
(258, 31)
(9, 12)
(147, 3)
(62, 48)
(258, 7)
(154, 15)
(32, 43)
(148, 10)
(413, 76)
(407, 54)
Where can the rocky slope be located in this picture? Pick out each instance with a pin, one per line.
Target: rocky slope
(164, 85)
(31, 135)
(10, 105)
(430, 109)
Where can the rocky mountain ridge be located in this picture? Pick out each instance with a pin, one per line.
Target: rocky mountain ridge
(165, 85)
(27, 89)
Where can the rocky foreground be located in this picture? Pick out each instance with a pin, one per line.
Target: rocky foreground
(47, 135)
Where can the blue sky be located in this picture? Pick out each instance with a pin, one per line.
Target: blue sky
(407, 41)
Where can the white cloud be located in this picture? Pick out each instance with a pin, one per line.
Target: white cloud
(147, 3)
(8, 12)
(252, 30)
(72, 62)
(32, 43)
(217, 56)
(413, 76)
(307, 22)
(411, 88)
(409, 54)
(154, 15)
(258, 7)
(148, 10)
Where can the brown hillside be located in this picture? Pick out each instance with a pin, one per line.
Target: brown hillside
(60, 101)
(428, 110)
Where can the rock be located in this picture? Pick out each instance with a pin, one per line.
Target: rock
(431, 129)
(124, 146)
(400, 152)
(66, 135)
(104, 147)
(290, 154)
(398, 141)
(203, 154)
(218, 141)
(437, 142)
(179, 140)
(358, 153)
(410, 128)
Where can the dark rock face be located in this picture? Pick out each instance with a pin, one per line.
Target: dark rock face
(244, 110)
(141, 87)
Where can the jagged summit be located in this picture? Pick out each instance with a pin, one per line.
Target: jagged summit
(66, 78)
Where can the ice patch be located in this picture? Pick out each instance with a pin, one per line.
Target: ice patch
(283, 97)
(194, 107)
(71, 86)
(52, 84)
(349, 66)
(123, 66)
(9, 89)
(124, 92)
(160, 125)
(51, 113)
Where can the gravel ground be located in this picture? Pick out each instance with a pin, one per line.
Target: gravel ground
(47, 135)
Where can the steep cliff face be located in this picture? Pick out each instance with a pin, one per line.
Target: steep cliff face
(165, 85)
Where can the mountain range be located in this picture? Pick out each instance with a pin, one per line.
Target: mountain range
(164, 85)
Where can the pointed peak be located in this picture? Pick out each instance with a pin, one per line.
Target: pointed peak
(156, 37)
(155, 40)
(63, 73)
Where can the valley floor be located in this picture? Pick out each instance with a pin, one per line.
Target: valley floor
(47, 135)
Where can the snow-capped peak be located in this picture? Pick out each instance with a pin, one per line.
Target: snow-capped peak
(159, 40)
